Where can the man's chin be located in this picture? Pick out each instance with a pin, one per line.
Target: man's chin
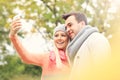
(71, 38)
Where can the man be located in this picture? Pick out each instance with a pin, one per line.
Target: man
(87, 46)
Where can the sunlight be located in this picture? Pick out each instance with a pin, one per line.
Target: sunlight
(115, 5)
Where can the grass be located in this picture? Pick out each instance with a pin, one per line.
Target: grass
(25, 77)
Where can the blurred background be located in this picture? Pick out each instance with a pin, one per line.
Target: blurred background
(41, 17)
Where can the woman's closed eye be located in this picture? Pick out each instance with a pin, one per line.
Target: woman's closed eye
(63, 35)
(56, 35)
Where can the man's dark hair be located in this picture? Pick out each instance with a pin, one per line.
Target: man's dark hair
(78, 16)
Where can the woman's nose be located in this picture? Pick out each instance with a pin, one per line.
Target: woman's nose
(59, 37)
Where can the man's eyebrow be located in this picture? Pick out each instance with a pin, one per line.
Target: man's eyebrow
(69, 23)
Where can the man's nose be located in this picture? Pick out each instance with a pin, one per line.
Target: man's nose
(68, 29)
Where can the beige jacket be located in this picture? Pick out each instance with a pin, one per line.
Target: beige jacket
(94, 51)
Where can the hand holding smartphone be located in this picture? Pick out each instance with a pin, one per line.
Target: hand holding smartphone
(21, 20)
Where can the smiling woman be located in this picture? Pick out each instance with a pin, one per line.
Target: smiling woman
(60, 39)
(52, 63)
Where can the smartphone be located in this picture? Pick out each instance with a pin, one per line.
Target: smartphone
(19, 16)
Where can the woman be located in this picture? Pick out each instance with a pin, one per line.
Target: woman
(51, 63)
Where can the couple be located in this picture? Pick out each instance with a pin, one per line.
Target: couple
(77, 45)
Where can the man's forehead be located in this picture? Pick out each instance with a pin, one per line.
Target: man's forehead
(69, 19)
(66, 24)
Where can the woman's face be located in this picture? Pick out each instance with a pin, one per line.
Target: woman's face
(60, 40)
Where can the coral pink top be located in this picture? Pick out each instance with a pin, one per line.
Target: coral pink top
(52, 60)
(52, 72)
(47, 60)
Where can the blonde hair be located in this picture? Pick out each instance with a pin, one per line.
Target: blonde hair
(56, 51)
(59, 63)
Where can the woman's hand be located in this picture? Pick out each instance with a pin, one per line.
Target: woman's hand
(14, 27)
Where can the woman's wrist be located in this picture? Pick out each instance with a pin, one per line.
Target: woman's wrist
(12, 35)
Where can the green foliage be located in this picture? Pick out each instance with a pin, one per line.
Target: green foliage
(32, 70)
(15, 67)
(11, 68)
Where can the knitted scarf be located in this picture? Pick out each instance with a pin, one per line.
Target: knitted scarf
(78, 40)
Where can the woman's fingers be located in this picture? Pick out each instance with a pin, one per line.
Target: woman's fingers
(16, 23)
(14, 27)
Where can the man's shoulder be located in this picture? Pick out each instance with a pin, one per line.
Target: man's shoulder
(97, 39)
(97, 35)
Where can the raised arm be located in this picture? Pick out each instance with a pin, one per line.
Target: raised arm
(26, 56)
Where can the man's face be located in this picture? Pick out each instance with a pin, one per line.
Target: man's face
(72, 26)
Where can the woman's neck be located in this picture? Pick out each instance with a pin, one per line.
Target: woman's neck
(61, 50)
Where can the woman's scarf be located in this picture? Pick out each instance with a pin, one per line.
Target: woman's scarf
(79, 39)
